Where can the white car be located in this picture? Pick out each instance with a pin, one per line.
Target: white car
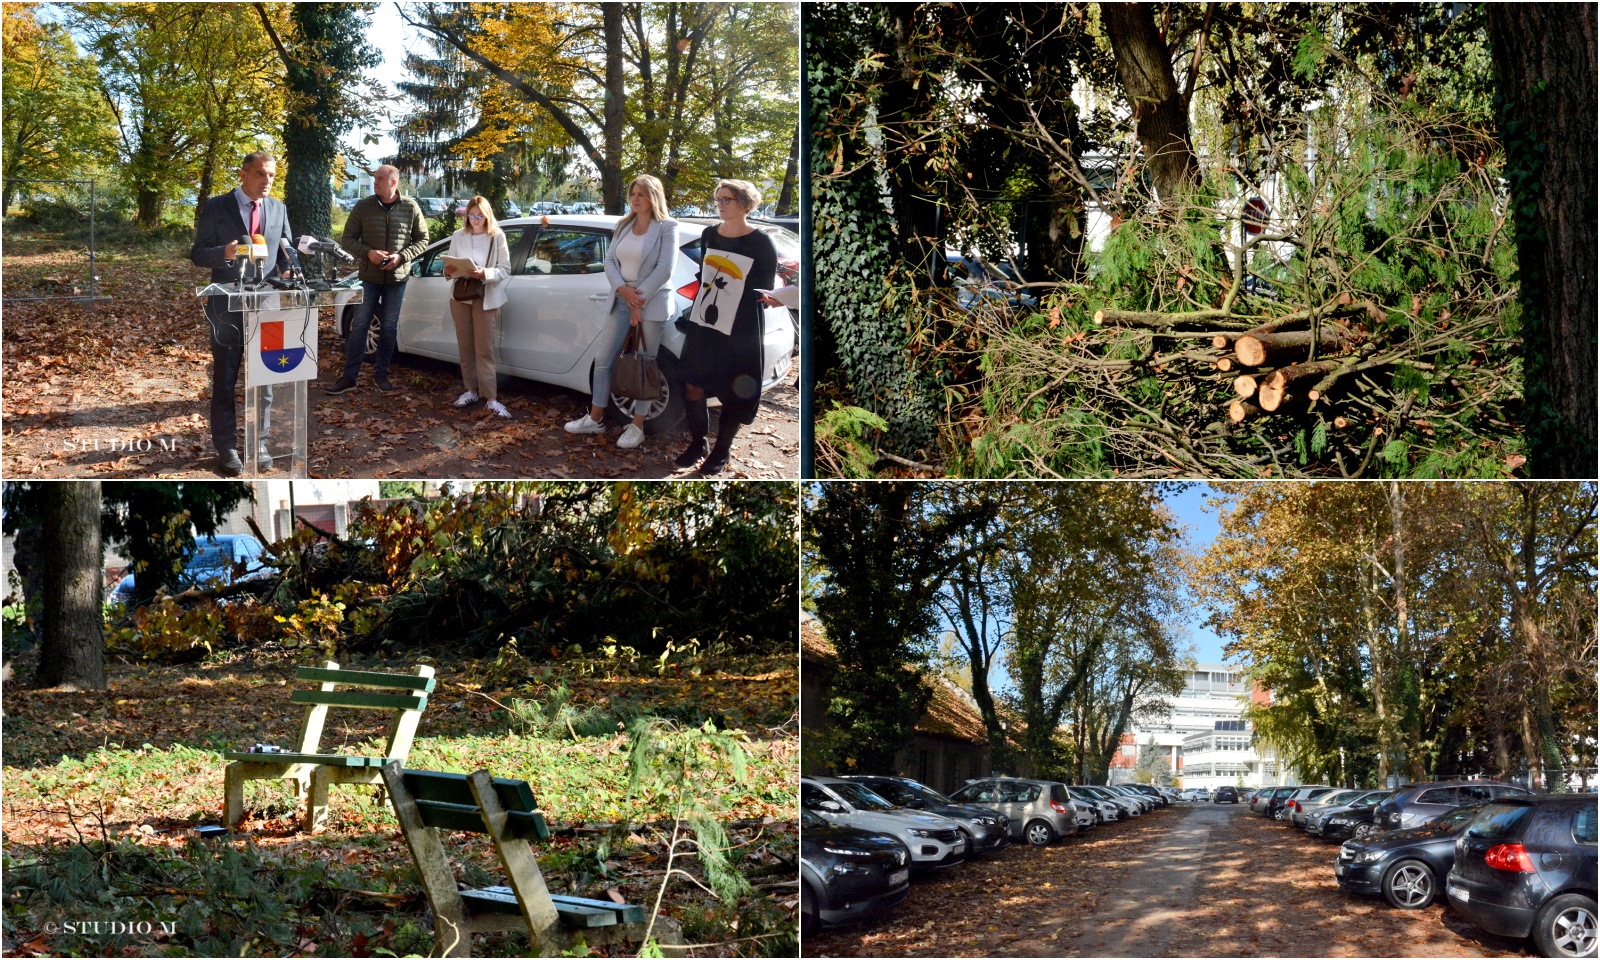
(933, 841)
(555, 315)
(1103, 811)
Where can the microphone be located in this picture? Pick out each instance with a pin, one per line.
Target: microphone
(310, 245)
(258, 253)
(242, 253)
(294, 260)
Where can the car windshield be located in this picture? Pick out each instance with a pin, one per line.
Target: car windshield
(1369, 800)
(932, 796)
(1344, 796)
(860, 797)
(1452, 821)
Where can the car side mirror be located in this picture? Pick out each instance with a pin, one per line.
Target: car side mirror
(832, 806)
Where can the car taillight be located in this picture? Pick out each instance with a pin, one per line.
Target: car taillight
(1058, 806)
(1508, 856)
(688, 290)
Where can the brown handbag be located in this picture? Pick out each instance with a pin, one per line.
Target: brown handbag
(467, 288)
(634, 373)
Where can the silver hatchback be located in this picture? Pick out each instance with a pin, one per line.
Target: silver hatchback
(1039, 810)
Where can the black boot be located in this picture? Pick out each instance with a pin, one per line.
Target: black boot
(717, 460)
(697, 420)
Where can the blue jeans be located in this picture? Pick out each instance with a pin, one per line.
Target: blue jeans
(225, 330)
(374, 297)
(612, 345)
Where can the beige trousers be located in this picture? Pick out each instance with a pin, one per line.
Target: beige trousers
(475, 344)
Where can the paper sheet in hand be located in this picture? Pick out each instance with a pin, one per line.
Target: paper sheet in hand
(462, 264)
(788, 296)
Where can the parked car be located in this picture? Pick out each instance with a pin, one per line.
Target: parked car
(219, 560)
(1295, 807)
(1039, 811)
(1225, 795)
(509, 209)
(1526, 865)
(1104, 810)
(1151, 791)
(1350, 809)
(986, 830)
(1128, 807)
(1421, 802)
(1278, 801)
(1406, 867)
(554, 320)
(847, 874)
(931, 840)
(1146, 802)
(545, 208)
(977, 280)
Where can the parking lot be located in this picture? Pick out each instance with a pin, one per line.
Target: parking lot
(1190, 879)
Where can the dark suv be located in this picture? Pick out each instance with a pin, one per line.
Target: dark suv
(1417, 804)
(1527, 865)
(847, 874)
(987, 830)
(1225, 795)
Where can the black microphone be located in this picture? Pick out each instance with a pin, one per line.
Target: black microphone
(310, 245)
(294, 260)
(242, 252)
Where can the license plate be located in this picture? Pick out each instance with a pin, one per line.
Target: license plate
(899, 877)
(1459, 893)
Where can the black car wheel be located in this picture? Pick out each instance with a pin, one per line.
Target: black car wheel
(810, 913)
(1566, 927)
(1040, 834)
(1409, 885)
(1361, 830)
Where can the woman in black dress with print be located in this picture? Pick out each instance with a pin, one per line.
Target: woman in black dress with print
(722, 347)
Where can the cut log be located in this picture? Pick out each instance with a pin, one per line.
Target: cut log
(1339, 423)
(1245, 386)
(1220, 341)
(1225, 364)
(1238, 410)
(1273, 398)
(1099, 317)
(1254, 348)
(1299, 371)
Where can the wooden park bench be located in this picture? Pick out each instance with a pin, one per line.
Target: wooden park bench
(427, 802)
(312, 771)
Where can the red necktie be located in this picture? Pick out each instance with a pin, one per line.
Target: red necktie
(255, 217)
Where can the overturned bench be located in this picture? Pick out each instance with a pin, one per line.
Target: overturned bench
(314, 772)
(427, 802)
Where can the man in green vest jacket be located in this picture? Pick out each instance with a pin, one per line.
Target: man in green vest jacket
(385, 233)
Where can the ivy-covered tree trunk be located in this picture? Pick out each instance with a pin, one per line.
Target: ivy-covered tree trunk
(615, 114)
(1544, 54)
(72, 642)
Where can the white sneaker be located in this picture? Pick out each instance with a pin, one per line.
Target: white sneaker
(632, 436)
(498, 409)
(585, 424)
(466, 399)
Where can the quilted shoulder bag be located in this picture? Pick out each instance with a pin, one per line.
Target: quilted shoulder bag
(634, 373)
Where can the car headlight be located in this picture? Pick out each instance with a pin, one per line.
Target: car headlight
(844, 852)
(924, 834)
(1367, 856)
(844, 867)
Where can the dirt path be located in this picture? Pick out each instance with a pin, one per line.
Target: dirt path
(1193, 880)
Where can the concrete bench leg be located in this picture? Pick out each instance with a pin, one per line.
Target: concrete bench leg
(317, 799)
(233, 796)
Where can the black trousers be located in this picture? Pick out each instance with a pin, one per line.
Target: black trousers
(226, 332)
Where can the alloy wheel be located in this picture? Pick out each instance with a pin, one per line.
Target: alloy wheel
(1361, 830)
(1410, 886)
(1575, 932)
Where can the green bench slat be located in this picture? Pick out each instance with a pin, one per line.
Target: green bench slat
(468, 817)
(626, 912)
(573, 911)
(321, 759)
(365, 678)
(369, 701)
(515, 795)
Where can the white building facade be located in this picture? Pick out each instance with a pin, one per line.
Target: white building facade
(1205, 737)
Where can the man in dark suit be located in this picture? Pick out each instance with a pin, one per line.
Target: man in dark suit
(219, 225)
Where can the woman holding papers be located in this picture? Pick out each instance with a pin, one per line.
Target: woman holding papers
(480, 261)
(639, 263)
(722, 347)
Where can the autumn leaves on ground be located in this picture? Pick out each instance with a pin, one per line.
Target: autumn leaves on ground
(104, 789)
(120, 388)
(1247, 887)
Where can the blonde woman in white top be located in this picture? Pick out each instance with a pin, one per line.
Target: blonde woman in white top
(483, 242)
(638, 265)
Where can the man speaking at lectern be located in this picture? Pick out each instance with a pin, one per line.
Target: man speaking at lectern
(220, 224)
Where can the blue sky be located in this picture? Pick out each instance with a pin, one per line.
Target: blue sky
(1201, 528)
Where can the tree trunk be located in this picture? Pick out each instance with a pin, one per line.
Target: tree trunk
(1544, 54)
(1144, 68)
(791, 174)
(72, 643)
(614, 112)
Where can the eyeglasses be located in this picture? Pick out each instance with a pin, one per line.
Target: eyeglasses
(719, 201)
(474, 216)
